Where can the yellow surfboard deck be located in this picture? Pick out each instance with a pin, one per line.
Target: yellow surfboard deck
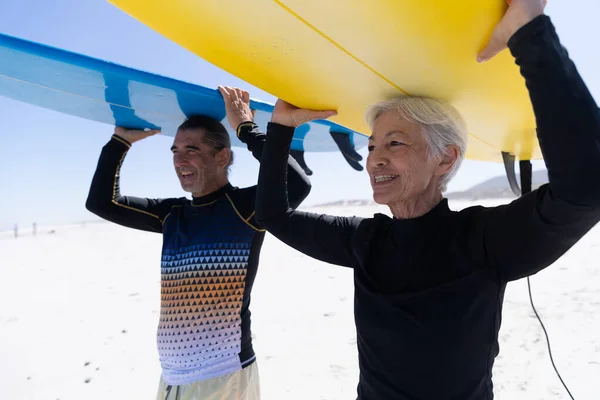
(349, 54)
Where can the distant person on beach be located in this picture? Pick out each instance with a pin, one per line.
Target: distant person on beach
(211, 247)
(429, 282)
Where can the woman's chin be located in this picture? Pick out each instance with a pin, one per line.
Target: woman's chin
(381, 198)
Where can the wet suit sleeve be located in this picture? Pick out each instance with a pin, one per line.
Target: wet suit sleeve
(105, 200)
(529, 234)
(326, 238)
(299, 184)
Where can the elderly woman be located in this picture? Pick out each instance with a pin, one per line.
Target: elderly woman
(429, 282)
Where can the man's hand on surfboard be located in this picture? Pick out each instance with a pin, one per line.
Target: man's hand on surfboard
(237, 105)
(286, 114)
(518, 14)
(132, 135)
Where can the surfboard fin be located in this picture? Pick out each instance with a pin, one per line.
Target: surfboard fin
(342, 140)
(347, 149)
(526, 174)
(298, 155)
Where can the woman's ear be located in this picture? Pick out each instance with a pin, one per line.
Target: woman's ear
(448, 159)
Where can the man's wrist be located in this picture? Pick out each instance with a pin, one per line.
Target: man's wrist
(121, 139)
(244, 129)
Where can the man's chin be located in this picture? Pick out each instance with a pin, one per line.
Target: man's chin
(187, 188)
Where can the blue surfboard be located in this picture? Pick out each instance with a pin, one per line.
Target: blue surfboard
(106, 92)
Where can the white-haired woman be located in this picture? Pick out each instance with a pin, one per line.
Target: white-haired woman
(429, 282)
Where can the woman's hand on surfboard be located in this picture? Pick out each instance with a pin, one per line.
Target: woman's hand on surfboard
(286, 114)
(132, 135)
(237, 105)
(518, 14)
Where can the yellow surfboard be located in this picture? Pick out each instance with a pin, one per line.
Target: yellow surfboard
(349, 54)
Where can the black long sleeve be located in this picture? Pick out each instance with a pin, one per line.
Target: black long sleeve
(299, 184)
(515, 240)
(105, 200)
(568, 119)
(532, 232)
(323, 237)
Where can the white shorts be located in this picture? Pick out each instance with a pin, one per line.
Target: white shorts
(240, 385)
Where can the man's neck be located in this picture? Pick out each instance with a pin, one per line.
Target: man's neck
(211, 188)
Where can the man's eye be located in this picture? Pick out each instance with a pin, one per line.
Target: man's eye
(396, 143)
(371, 148)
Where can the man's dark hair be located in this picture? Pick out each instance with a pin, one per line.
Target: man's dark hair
(215, 134)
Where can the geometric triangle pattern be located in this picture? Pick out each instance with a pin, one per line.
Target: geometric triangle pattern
(203, 279)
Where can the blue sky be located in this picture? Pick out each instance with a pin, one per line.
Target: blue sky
(47, 159)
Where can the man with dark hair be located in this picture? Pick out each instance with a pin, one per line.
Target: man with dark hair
(210, 253)
(215, 134)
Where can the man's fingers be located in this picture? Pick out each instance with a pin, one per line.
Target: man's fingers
(245, 97)
(235, 94)
(224, 92)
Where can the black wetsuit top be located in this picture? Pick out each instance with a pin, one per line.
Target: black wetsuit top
(429, 290)
(210, 255)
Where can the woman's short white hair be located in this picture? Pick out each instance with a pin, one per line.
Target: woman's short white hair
(441, 124)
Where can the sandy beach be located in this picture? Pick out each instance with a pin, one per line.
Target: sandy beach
(79, 310)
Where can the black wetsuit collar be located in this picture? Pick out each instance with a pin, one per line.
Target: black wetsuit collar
(439, 209)
(211, 197)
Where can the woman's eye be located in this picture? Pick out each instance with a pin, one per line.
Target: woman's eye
(396, 143)
(371, 148)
